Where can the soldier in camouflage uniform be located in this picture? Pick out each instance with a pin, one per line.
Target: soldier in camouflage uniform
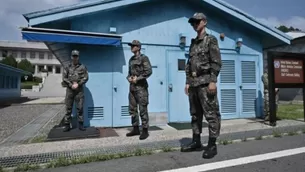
(266, 97)
(139, 70)
(74, 77)
(202, 69)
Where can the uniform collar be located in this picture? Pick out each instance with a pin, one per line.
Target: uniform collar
(202, 36)
(75, 65)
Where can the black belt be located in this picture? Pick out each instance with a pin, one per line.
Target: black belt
(197, 74)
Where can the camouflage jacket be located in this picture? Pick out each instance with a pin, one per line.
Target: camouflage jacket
(265, 81)
(266, 84)
(140, 66)
(204, 63)
(75, 73)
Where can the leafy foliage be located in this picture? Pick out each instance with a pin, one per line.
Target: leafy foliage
(25, 65)
(10, 61)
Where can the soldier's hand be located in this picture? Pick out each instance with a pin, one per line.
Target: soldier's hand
(186, 89)
(130, 79)
(75, 85)
(212, 88)
(134, 79)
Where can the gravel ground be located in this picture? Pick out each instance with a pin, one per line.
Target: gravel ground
(43, 132)
(13, 118)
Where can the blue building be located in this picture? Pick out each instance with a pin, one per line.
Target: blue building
(101, 29)
(10, 79)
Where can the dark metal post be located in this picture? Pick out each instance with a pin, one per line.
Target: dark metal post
(271, 90)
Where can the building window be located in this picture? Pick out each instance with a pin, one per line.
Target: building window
(4, 53)
(50, 56)
(14, 54)
(32, 55)
(50, 68)
(181, 64)
(57, 69)
(2, 80)
(23, 55)
(41, 55)
(15, 82)
(7, 82)
(40, 68)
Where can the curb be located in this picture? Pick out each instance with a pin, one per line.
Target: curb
(228, 138)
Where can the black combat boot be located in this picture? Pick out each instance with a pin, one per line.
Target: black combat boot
(195, 145)
(81, 126)
(66, 128)
(144, 134)
(135, 131)
(211, 149)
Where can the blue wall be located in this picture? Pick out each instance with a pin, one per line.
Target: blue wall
(9, 84)
(158, 25)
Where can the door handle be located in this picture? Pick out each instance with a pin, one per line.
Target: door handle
(170, 88)
(115, 88)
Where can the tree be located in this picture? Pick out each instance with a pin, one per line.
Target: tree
(286, 29)
(25, 65)
(10, 61)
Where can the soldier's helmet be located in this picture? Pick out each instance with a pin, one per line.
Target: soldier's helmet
(196, 17)
(135, 43)
(75, 53)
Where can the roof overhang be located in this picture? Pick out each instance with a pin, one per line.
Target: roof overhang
(87, 7)
(81, 8)
(65, 36)
(59, 41)
(13, 69)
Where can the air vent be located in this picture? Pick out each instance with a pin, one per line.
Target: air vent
(124, 111)
(95, 112)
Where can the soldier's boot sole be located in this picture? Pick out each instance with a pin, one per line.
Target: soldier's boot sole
(192, 148)
(144, 135)
(66, 129)
(211, 152)
(134, 132)
(82, 129)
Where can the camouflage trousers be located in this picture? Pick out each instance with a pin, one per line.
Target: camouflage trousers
(204, 104)
(78, 97)
(266, 104)
(138, 96)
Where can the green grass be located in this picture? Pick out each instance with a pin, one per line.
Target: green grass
(290, 111)
(28, 84)
(38, 139)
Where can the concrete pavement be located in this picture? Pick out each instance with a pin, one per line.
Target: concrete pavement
(284, 154)
(37, 153)
(169, 137)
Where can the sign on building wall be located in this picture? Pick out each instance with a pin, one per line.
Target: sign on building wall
(288, 71)
(285, 70)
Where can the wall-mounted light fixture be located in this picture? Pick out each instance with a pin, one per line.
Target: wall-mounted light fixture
(187, 54)
(222, 36)
(239, 42)
(182, 40)
(112, 29)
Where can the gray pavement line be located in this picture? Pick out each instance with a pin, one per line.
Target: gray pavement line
(59, 111)
(27, 104)
(67, 161)
(3, 141)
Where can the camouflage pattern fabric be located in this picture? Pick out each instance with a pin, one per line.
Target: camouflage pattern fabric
(140, 67)
(204, 103)
(79, 74)
(266, 97)
(204, 63)
(138, 96)
(202, 68)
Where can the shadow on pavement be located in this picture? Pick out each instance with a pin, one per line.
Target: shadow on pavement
(9, 102)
